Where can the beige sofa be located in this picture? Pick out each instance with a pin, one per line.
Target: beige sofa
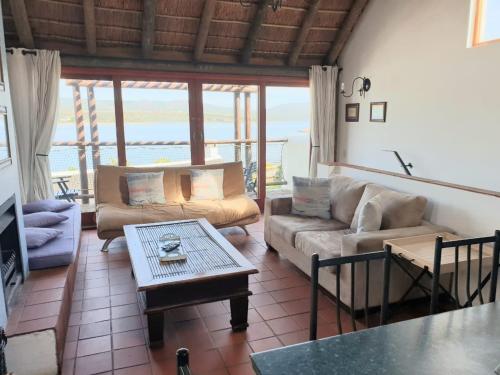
(113, 210)
(297, 237)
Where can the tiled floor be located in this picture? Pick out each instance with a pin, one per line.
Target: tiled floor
(107, 331)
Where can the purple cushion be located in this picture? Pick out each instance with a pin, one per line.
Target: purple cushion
(52, 205)
(36, 237)
(43, 219)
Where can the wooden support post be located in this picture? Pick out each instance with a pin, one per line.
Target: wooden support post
(237, 125)
(248, 130)
(94, 128)
(148, 27)
(254, 30)
(80, 137)
(90, 28)
(197, 135)
(261, 179)
(22, 23)
(120, 126)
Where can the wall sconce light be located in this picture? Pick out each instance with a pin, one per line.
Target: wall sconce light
(366, 84)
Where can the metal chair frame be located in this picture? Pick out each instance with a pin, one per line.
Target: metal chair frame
(492, 276)
(366, 258)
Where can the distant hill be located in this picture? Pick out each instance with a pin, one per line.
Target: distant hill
(173, 111)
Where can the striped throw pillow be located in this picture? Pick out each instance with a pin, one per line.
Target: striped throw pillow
(207, 184)
(145, 188)
(311, 197)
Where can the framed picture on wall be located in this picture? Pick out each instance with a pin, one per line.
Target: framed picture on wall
(378, 111)
(4, 138)
(352, 112)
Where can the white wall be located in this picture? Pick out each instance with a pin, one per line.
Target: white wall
(9, 178)
(443, 110)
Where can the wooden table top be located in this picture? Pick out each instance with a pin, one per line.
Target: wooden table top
(212, 256)
(420, 251)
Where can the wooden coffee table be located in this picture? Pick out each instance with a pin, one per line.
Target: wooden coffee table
(214, 271)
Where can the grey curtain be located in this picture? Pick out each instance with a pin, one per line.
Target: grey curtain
(323, 86)
(34, 85)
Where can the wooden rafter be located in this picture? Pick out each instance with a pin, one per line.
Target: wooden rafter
(345, 31)
(201, 38)
(254, 31)
(303, 32)
(90, 28)
(148, 27)
(20, 15)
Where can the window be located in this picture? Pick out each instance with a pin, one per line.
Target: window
(287, 137)
(486, 22)
(85, 136)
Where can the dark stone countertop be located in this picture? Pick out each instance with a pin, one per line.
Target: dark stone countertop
(465, 341)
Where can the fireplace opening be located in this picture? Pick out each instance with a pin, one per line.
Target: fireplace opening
(10, 251)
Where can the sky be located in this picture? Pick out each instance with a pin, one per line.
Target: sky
(275, 95)
(492, 20)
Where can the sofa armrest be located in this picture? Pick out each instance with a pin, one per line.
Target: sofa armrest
(374, 241)
(278, 206)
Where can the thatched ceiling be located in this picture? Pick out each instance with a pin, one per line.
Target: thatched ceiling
(301, 33)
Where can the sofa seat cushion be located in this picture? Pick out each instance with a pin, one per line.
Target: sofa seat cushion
(60, 251)
(325, 244)
(287, 226)
(112, 217)
(222, 212)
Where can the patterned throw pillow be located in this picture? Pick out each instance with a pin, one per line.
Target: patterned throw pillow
(145, 188)
(311, 197)
(207, 184)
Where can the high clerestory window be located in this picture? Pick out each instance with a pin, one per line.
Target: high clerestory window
(486, 22)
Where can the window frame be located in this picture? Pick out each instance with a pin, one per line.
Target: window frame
(478, 7)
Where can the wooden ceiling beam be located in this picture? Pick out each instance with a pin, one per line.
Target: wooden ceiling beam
(257, 22)
(23, 28)
(148, 27)
(90, 28)
(303, 32)
(201, 38)
(345, 31)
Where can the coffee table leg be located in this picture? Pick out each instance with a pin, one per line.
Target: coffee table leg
(239, 313)
(155, 329)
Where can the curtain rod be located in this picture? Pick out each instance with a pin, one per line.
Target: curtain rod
(24, 51)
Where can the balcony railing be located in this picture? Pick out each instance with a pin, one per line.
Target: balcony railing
(74, 162)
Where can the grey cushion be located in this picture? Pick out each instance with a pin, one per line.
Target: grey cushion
(43, 219)
(36, 237)
(287, 226)
(62, 250)
(53, 205)
(345, 193)
(311, 197)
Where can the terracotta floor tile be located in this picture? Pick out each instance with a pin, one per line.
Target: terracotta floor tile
(123, 299)
(70, 350)
(93, 346)
(129, 357)
(93, 364)
(213, 308)
(96, 303)
(204, 362)
(258, 331)
(124, 311)
(244, 369)
(263, 299)
(102, 291)
(128, 339)
(94, 316)
(36, 325)
(136, 370)
(197, 342)
(96, 274)
(296, 307)
(217, 322)
(227, 337)
(68, 367)
(235, 354)
(96, 266)
(126, 324)
(269, 312)
(265, 344)
(294, 337)
(257, 288)
(75, 319)
(95, 329)
(190, 327)
(283, 325)
(123, 288)
(72, 333)
(292, 294)
(43, 310)
(167, 366)
(253, 316)
(285, 283)
(44, 296)
(184, 313)
(264, 276)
